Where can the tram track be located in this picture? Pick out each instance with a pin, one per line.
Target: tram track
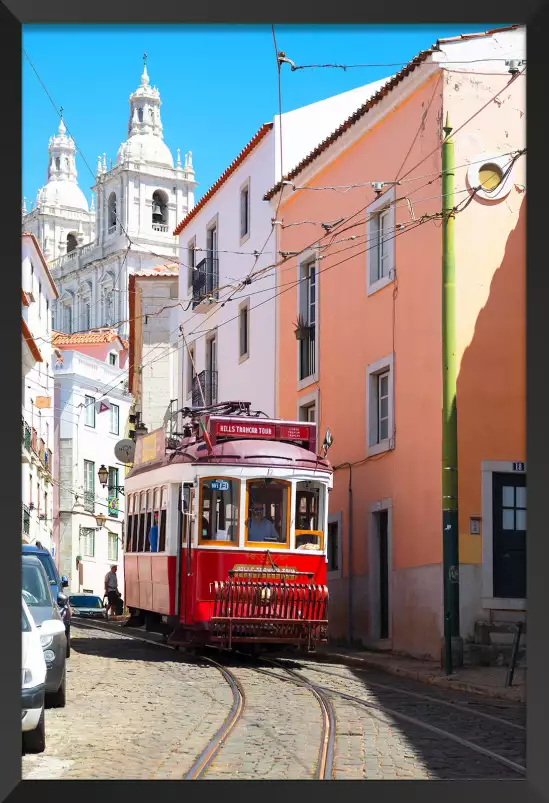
(325, 766)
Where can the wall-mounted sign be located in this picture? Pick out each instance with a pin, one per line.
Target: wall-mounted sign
(245, 430)
(102, 406)
(42, 402)
(518, 467)
(125, 450)
(474, 525)
(219, 485)
(113, 504)
(150, 447)
(294, 433)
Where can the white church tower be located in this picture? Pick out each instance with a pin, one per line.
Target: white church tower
(61, 219)
(139, 201)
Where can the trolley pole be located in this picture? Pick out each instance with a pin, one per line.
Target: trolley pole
(453, 645)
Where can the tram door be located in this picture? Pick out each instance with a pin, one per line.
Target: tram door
(187, 548)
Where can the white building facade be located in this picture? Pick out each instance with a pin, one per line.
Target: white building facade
(226, 347)
(138, 202)
(38, 445)
(153, 363)
(89, 423)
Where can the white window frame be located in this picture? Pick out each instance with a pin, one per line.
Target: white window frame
(115, 355)
(382, 206)
(245, 187)
(87, 405)
(488, 601)
(190, 371)
(191, 246)
(337, 574)
(112, 538)
(373, 372)
(85, 540)
(308, 258)
(245, 305)
(111, 415)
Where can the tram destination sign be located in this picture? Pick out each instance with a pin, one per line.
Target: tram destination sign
(294, 433)
(241, 429)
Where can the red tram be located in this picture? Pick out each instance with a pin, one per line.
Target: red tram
(226, 531)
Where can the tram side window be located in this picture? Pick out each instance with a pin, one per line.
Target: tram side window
(219, 514)
(309, 515)
(163, 515)
(141, 525)
(128, 546)
(267, 516)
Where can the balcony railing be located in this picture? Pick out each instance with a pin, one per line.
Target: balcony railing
(160, 227)
(26, 519)
(89, 501)
(205, 280)
(307, 354)
(207, 380)
(26, 435)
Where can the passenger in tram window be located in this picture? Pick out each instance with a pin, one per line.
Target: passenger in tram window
(153, 535)
(260, 528)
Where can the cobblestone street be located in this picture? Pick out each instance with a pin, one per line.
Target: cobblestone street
(162, 710)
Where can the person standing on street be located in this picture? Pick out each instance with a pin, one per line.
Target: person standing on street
(111, 590)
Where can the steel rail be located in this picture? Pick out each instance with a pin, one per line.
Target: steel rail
(430, 698)
(206, 757)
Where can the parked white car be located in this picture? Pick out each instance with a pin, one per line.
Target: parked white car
(33, 687)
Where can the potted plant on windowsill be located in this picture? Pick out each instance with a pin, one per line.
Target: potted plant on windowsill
(302, 328)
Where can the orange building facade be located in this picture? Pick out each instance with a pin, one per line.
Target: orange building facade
(362, 285)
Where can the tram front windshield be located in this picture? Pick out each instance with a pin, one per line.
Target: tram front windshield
(268, 511)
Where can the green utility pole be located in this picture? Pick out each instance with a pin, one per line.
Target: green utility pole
(453, 645)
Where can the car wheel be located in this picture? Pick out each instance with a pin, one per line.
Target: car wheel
(59, 698)
(35, 741)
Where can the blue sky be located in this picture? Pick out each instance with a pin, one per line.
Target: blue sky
(218, 83)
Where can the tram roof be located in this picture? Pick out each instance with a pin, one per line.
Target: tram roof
(248, 452)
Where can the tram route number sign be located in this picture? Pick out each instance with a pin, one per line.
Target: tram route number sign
(246, 430)
(219, 485)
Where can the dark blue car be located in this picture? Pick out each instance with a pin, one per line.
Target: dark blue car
(57, 584)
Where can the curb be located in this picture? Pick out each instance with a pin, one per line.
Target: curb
(514, 694)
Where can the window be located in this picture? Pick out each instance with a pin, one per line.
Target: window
(89, 486)
(245, 211)
(67, 318)
(129, 523)
(307, 317)
(190, 370)
(112, 488)
(160, 211)
(333, 546)
(112, 358)
(268, 512)
(244, 329)
(219, 510)
(87, 542)
(112, 213)
(36, 592)
(113, 548)
(307, 412)
(115, 419)
(380, 400)
(163, 516)
(89, 411)
(380, 254)
(191, 261)
(309, 515)
(212, 262)
(72, 242)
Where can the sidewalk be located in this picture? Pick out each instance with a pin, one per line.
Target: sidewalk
(487, 681)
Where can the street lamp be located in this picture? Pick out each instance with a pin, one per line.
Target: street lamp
(103, 475)
(100, 519)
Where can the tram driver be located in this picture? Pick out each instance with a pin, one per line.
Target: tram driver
(260, 528)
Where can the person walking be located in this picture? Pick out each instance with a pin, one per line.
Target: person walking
(111, 590)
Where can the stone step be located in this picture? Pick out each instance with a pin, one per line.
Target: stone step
(493, 655)
(497, 633)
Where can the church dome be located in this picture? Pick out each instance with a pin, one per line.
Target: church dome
(64, 193)
(145, 148)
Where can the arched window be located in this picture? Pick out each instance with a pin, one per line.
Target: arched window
(57, 163)
(71, 243)
(140, 115)
(160, 211)
(112, 212)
